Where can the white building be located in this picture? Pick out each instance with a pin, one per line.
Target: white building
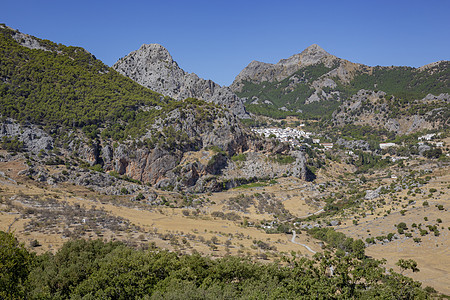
(283, 135)
(387, 145)
(427, 137)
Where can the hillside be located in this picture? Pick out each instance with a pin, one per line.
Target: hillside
(88, 114)
(54, 85)
(315, 83)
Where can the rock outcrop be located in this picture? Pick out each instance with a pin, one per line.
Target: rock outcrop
(152, 66)
(33, 138)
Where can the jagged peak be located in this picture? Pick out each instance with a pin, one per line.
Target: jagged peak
(154, 51)
(315, 48)
(311, 55)
(153, 46)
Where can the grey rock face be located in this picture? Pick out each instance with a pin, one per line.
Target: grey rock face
(25, 39)
(373, 194)
(423, 148)
(156, 165)
(365, 107)
(33, 138)
(257, 165)
(152, 66)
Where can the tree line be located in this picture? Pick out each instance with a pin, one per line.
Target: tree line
(111, 270)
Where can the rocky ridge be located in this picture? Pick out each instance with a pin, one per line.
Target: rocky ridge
(258, 72)
(310, 76)
(152, 66)
(182, 152)
(32, 138)
(25, 39)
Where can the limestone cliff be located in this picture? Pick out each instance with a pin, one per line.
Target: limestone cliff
(258, 72)
(152, 66)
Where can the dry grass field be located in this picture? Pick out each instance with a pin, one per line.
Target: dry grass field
(184, 230)
(43, 217)
(430, 250)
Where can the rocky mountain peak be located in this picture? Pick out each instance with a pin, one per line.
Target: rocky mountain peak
(154, 52)
(258, 72)
(311, 55)
(152, 66)
(313, 49)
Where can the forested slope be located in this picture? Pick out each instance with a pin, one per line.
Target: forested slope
(94, 269)
(65, 86)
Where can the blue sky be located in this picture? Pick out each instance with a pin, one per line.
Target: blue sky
(217, 39)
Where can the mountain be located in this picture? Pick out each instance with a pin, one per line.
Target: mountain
(152, 66)
(258, 72)
(61, 105)
(315, 84)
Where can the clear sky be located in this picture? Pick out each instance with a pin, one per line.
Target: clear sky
(217, 39)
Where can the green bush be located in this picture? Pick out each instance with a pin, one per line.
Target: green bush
(239, 157)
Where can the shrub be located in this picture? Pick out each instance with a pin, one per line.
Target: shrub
(239, 157)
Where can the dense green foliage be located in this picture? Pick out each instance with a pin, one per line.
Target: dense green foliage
(365, 132)
(11, 144)
(339, 241)
(64, 86)
(98, 270)
(14, 266)
(403, 82)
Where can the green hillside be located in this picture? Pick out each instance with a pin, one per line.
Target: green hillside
(67, 87)
(285, 94)
(403, 82)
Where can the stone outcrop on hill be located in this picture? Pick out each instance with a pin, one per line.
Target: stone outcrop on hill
(202, 163)
(33, 138)
(259, 71)
(371, 108)
(152, 66)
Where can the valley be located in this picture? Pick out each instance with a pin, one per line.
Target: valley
(254, 220)
(314, 166)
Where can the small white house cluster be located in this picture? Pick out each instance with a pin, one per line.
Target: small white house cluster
(283, 135)
(427, 137)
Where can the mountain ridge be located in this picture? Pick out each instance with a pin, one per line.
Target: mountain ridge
(152, 66)
(258, 72)
(316, 83)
